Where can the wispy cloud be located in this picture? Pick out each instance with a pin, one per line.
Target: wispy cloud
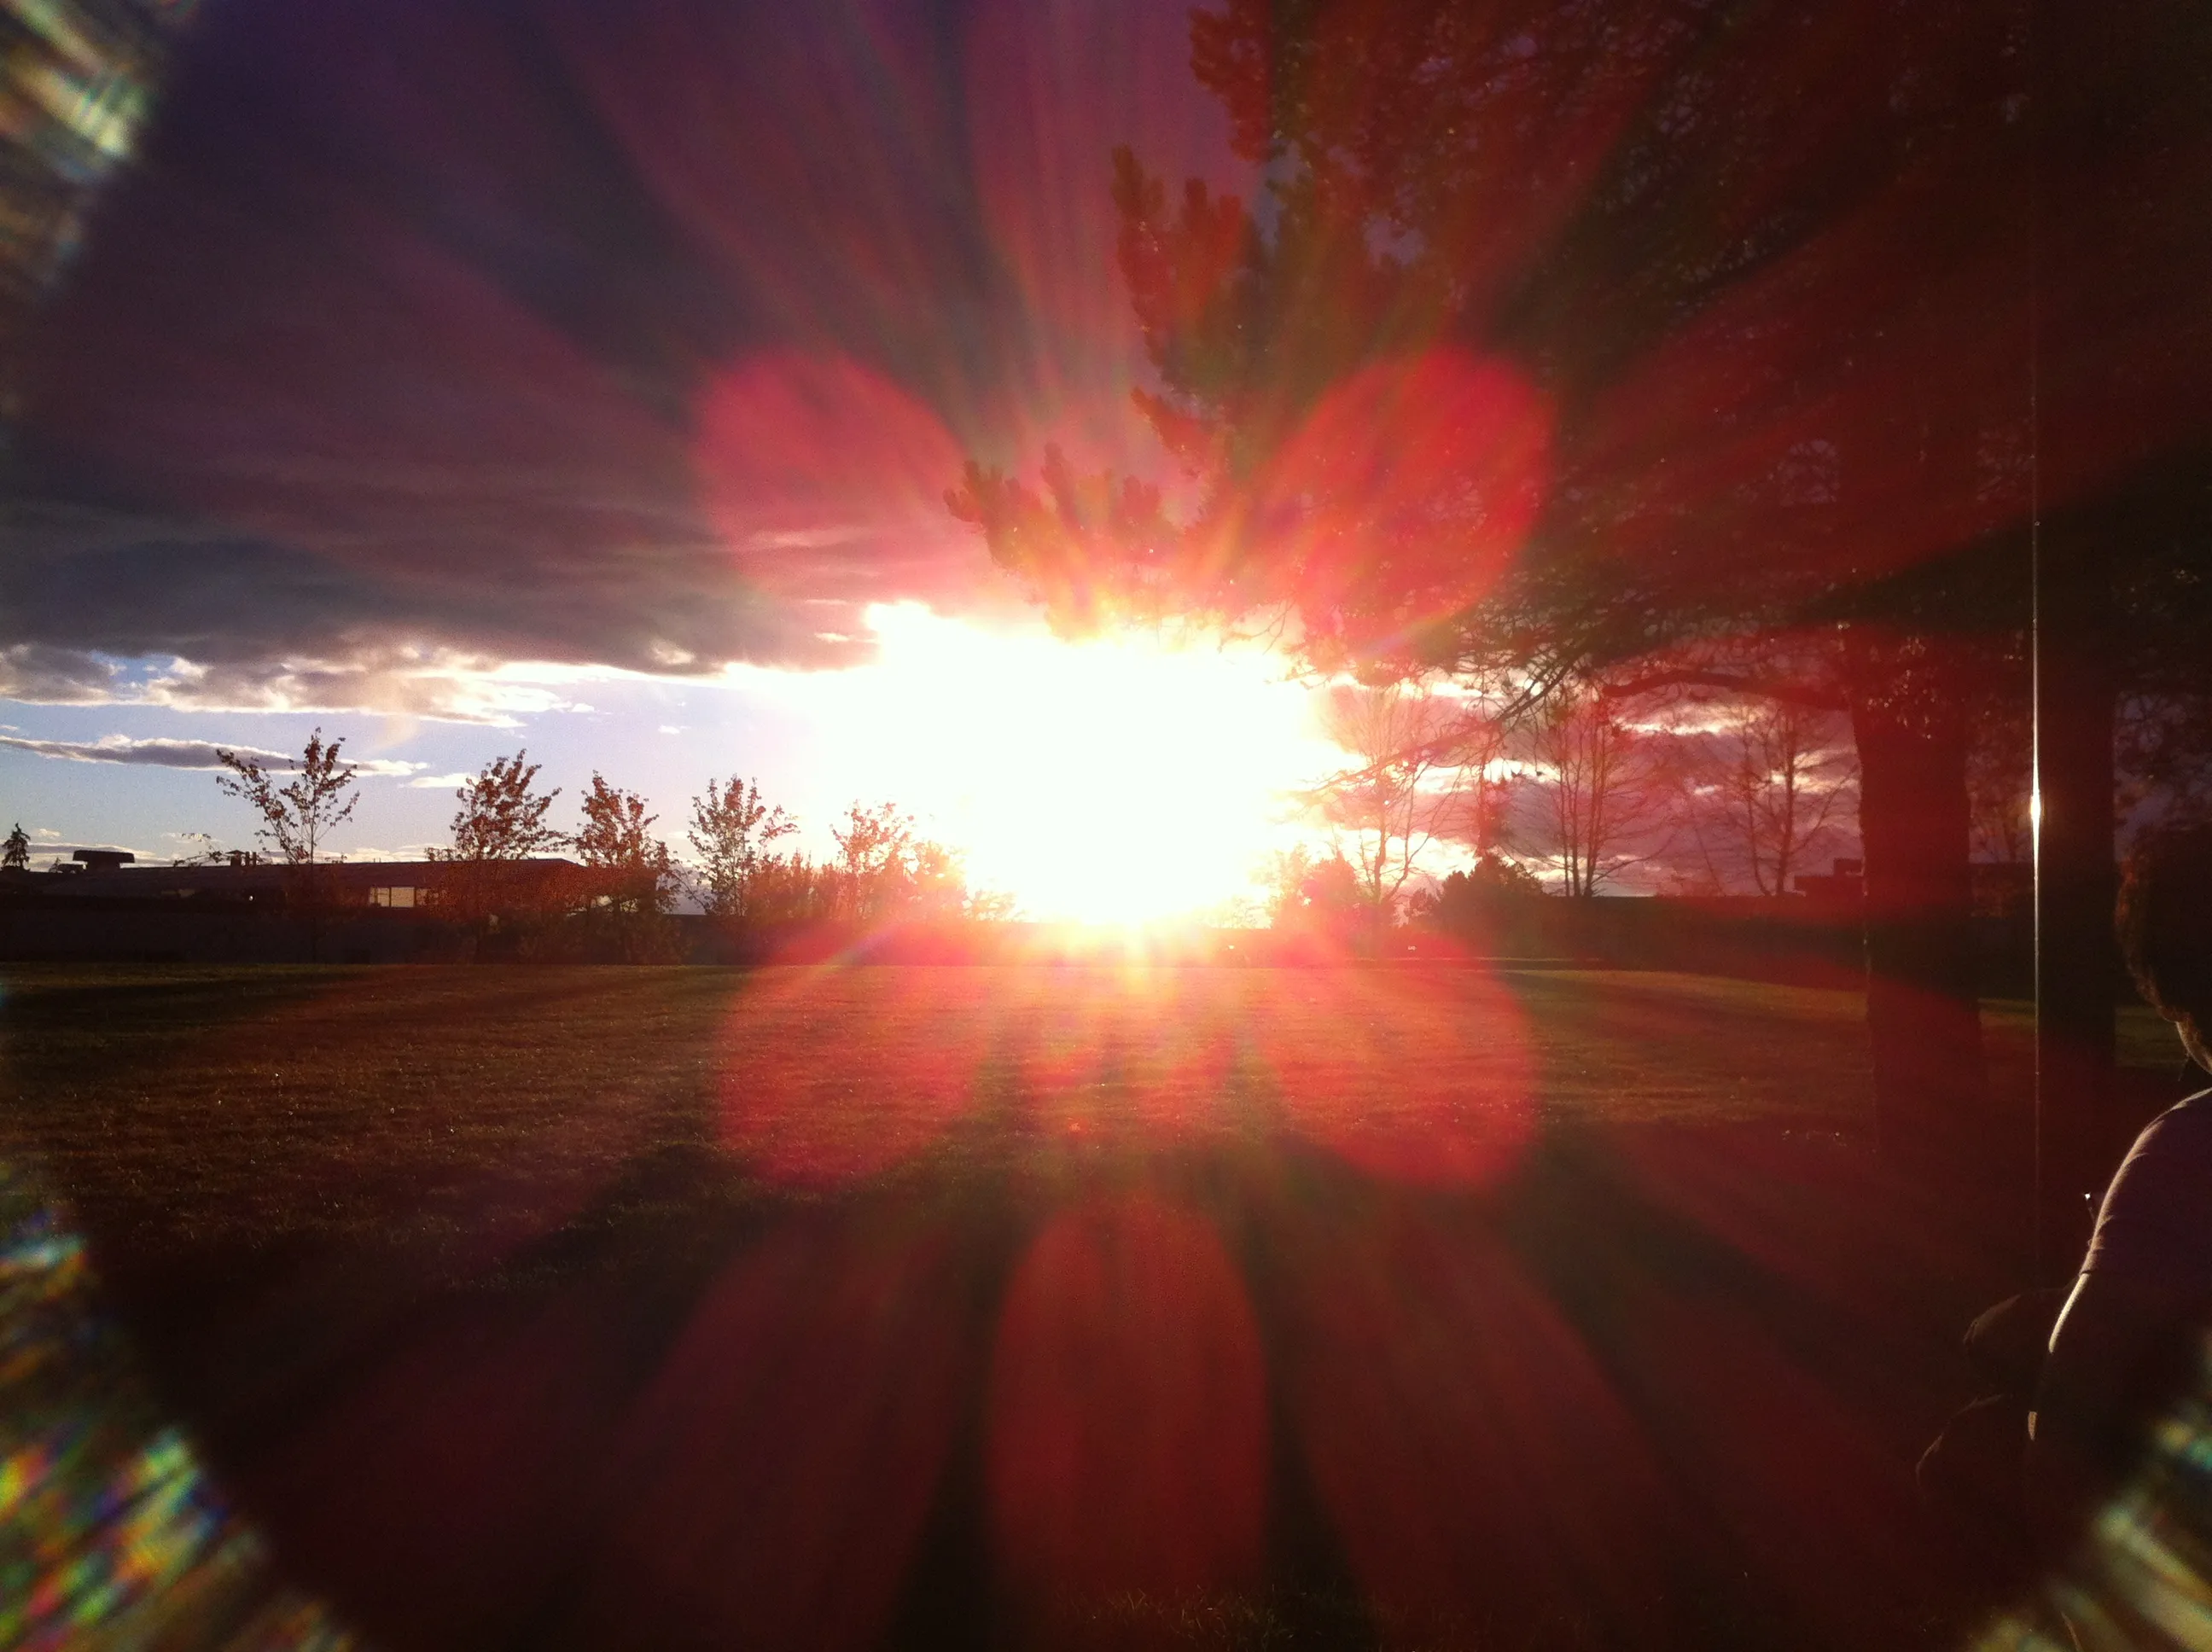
(161, 752)
(438, 782)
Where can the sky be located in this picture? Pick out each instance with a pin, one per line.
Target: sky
(587, 382)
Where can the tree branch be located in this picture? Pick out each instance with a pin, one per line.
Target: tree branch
(1792, 691)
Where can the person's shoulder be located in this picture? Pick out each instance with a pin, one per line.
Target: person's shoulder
(2185, 1127)
(2155, 1223)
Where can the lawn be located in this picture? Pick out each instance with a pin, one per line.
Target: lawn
(1405, 1305)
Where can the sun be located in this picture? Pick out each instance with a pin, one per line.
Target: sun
(1120, 780)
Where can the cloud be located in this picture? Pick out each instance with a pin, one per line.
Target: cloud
(333, 446)
(161, 752)
(438, 782)
(54, 676)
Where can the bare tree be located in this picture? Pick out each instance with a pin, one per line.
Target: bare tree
(1486, 784)
(1404, 789)
(1770, 792)
(731, 831)
(296, 816)
(1603, 784)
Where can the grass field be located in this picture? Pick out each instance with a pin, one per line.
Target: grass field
(1412, 1305)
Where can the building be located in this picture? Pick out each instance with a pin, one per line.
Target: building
(101, 907)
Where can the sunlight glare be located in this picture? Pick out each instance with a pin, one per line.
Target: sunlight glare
(1118, 779)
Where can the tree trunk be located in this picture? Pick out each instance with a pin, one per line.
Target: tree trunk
(1932, 1112)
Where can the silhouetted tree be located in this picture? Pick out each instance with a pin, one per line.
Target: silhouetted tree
(297, 815)
(1769, 793)
(499, 825)
(635, 873)
(15, 850)
(872, 849)
(502, 817)
(1313, 894)
(730, 832)
(1568, 340)
(1602, 792)
(1999, 767)
(1404, 789)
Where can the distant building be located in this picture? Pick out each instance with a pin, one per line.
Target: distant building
(100, 906)
(1844, 883)
(399, 886)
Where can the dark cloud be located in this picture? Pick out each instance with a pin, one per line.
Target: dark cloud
(164, 753)
(429, 328)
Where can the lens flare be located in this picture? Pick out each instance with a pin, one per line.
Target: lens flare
(1128, 1405)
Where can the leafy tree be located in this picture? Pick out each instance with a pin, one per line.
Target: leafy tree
(15, 849)
(501, 816)
(1463, 901)
(1310, 893)
(296, 816)
(499, 825)
(635, 872)
(873, 846)
(730, 832)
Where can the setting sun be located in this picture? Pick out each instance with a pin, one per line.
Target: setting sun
(1117, 779)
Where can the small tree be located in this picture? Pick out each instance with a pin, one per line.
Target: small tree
(872, 855)
(501, 822)
(731, 831)
(636, 872)
(15, 850)
(295, 818)
(1392, 804)
(1602, 790)
(1306, 892)
(501, 816)
(1775, 791)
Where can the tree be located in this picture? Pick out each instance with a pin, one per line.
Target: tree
(499, 825)
(15, 850)
(1488, 903)
(501, 818)
(1569, 342)
(1486, 784)
(635, 873)
(295, 816)
(1310, 893)
(731, 831)
(1390, 804)
(1600, 800)
(872, 849)
(1998, 780)
(1769, 793)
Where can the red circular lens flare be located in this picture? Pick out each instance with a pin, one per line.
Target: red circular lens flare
(1128, 1420)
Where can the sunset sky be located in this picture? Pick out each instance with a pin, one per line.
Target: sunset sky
(462, 384)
